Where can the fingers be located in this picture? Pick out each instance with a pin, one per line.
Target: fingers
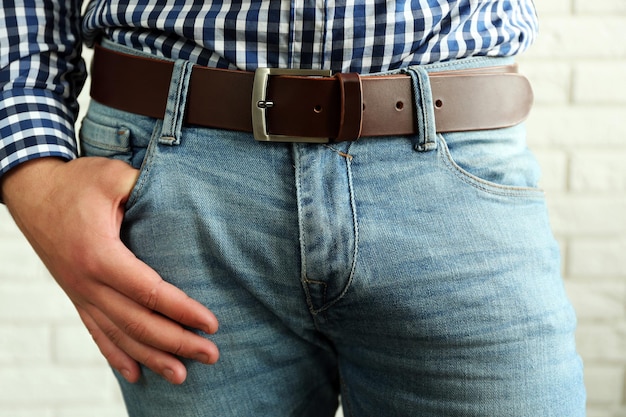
(155, 294)
(136, 316)
(127, 333)
(124, 354)
(137, 281)
(153, 329)
(116, 357)
(120, 347)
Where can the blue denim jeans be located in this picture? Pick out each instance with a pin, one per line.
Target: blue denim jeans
(409, 276)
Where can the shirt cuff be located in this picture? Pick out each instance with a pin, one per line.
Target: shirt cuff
(34, 124)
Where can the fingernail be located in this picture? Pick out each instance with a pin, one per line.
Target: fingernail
(202, 357)
(212, 326)
(168, 374)
(126, 374)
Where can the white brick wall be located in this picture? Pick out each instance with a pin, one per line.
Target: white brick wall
(49, 367)
(578, 131)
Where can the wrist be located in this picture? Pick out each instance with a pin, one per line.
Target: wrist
(26, 178)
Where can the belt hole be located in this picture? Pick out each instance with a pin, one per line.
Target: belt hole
(317, 109)
(438, 104)
(399, 106)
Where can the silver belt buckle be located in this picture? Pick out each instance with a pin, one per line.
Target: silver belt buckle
(260, 103)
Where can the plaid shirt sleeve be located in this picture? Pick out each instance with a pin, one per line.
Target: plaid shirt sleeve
(41, 74)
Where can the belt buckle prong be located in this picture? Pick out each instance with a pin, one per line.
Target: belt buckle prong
(260, 103)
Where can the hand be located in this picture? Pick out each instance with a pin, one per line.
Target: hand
(71, 212)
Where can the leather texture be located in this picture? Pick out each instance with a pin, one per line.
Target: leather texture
(342, 107)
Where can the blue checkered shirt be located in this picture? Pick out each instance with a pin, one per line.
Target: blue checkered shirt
(41, 70)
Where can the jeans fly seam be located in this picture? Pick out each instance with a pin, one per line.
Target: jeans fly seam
(303, 263)
(355, 221)
(355, 252)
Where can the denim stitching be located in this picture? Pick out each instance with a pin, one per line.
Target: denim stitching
(144, 170)
(481, 184)
(177, 98)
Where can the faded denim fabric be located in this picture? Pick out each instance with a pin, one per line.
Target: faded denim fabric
(410, 280)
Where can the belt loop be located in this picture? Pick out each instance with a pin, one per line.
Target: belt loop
(176, 103)
(426, 131)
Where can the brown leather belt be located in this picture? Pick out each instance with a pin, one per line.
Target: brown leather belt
(286, 105)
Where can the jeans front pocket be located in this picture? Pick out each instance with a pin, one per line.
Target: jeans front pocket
(114, 134)
(494, 161)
